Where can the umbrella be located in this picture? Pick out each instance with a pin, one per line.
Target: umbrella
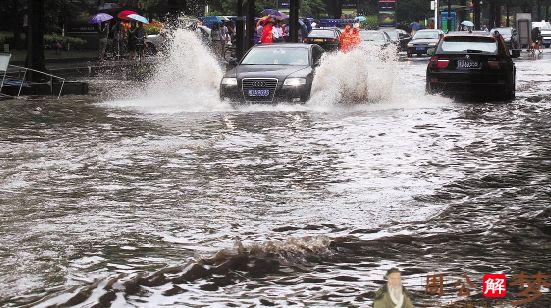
(361, 18)
(262, 20)
(275, 13)
(467, 23)
(108, 7)
(125, 13)
(139, 18)
(99, 18)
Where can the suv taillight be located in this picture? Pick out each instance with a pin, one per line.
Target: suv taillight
(439, 64)
(494, 65)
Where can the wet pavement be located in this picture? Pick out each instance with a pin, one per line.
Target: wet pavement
(274, 205)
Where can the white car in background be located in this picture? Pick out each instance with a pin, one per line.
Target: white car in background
(545, 28)
(157, 42)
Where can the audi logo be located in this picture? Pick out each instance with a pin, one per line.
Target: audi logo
(259, 84)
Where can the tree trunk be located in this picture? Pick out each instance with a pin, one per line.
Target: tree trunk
(476, 13)
(35, 39)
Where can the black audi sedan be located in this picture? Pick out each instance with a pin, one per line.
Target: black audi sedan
(273, 73)
(472, 63)
(327, 38)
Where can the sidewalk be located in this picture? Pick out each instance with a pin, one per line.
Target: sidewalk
(18, 56)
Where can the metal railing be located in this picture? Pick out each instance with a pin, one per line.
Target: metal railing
(50, 83)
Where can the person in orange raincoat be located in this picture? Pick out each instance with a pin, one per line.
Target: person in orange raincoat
(355, 38)
(267, 37)
(345, 39)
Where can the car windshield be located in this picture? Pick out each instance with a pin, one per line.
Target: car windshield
(372, 36)
(425, 35)
(542, 25)
(469, 44)
(277, 56)
(322, 33)
(502, 31)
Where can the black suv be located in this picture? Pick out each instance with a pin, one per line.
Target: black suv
(476, 63)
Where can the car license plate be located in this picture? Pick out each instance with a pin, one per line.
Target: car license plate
(319, 40)
(259, 92)
(468, 64)
(420, 48)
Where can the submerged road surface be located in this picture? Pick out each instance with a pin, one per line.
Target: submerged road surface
(306, 205)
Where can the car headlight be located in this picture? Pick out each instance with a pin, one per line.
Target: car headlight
(294, 82)
(410, 44)
(432, 44)
(229, 81)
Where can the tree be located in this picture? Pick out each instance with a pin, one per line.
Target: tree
(35, 38)
(413, 10)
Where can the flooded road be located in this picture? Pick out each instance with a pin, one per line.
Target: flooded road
(320, 200)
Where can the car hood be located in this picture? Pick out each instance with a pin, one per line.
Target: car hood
(266, 71)
(546, 32)
(424, 41)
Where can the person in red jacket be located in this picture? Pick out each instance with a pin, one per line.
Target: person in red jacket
(267, 36)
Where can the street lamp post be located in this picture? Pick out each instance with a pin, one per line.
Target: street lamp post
(449, 15)
(436, 11)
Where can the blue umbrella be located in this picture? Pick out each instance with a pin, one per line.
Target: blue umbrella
(99, 18)
(139, 18)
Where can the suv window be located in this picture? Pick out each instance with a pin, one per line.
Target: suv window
(469, 44)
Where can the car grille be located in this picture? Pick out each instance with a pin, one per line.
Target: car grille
(259, 84)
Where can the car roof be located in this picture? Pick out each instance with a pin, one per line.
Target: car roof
(470, 33)
(289, 45)
(371, 31)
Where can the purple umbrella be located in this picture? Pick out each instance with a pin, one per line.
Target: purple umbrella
(275, 13)
(99, 18)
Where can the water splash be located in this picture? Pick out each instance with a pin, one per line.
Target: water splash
(186, 79)
(365, 74)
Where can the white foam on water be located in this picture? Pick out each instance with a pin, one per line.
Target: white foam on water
(187, 79)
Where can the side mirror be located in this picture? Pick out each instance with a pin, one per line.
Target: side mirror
(515, 53)
(431, 51)
(233, 63)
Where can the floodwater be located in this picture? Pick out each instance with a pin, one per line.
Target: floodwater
(176, 198)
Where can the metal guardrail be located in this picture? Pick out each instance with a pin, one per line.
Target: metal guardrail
(26, 69)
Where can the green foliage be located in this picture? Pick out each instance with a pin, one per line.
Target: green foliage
(413, 10)
(5, 37)
(74, 42)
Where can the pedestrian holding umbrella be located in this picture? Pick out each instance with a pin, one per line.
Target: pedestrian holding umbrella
(99, 18)
(138, 18)
(124, 14)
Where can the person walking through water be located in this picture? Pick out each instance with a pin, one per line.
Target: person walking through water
(536, 38)
(217, 39)
(140, 41)
(103, 40)
(132, 42)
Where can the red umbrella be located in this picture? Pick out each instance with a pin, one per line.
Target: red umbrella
(124, 14)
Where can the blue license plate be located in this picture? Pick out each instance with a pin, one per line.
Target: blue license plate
(259, 92)
(420, 48)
